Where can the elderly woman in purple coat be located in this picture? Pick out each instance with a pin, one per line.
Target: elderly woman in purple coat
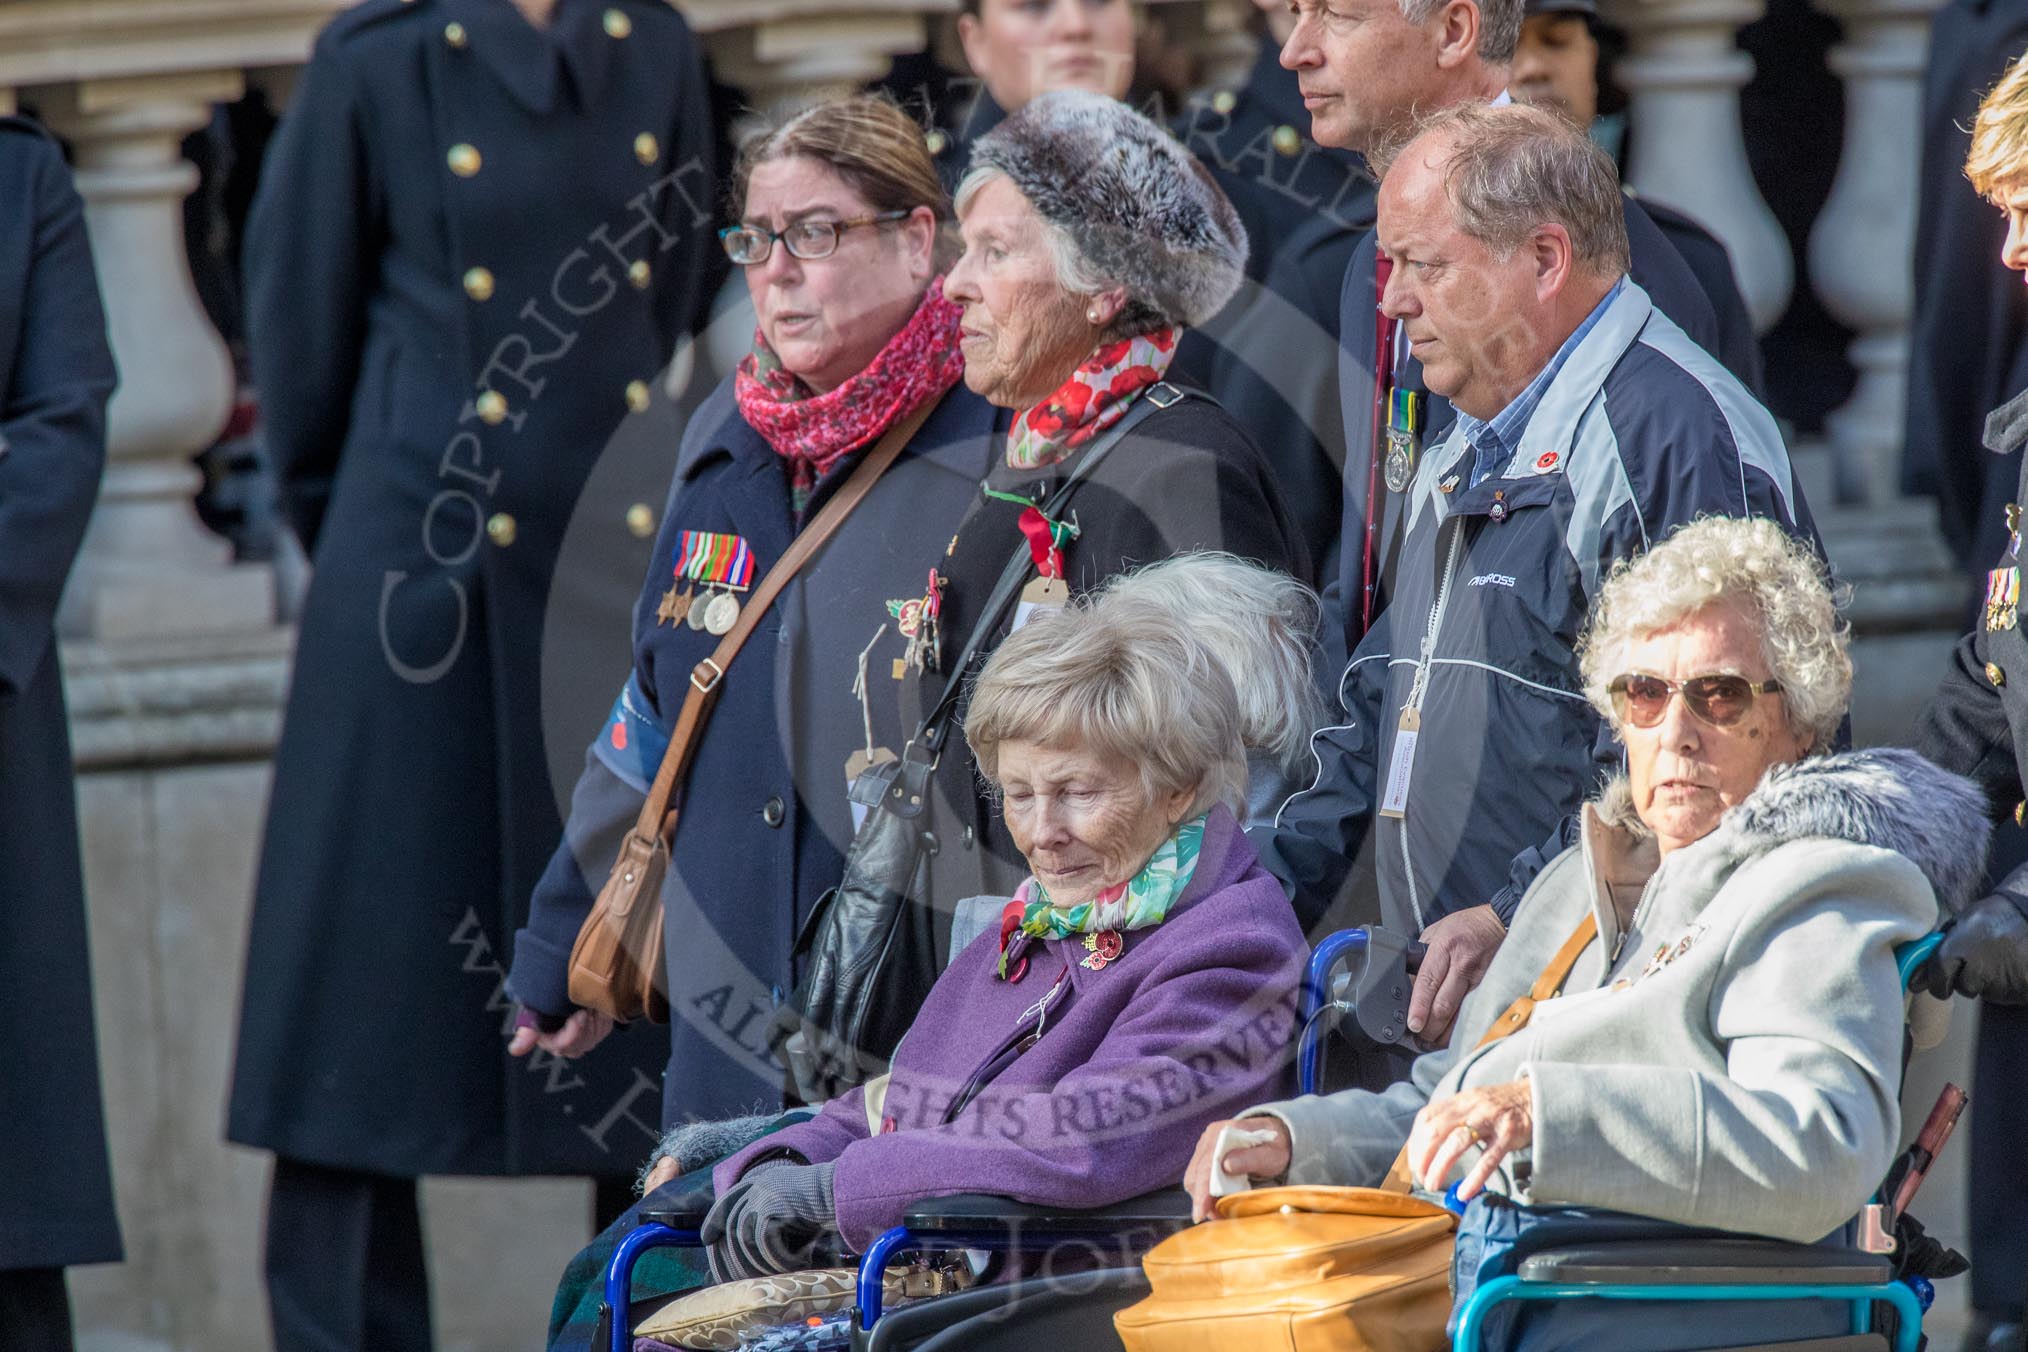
(1141, 983)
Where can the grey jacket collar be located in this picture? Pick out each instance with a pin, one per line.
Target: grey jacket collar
(1888, 797)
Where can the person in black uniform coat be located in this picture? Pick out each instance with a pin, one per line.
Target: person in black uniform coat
(1968, 338)
(1978, 726)
(1020, 48)
(445, 344)
(56, 373)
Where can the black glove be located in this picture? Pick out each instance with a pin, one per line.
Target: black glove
(769, 1221)
(1984, 955)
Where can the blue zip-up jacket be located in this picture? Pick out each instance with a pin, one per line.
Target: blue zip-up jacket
(1639, 433)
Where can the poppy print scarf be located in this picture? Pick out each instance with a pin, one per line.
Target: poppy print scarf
(1097, 395)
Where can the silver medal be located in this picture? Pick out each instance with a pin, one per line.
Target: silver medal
(722, 613)
(1399, 469)
(698, 608)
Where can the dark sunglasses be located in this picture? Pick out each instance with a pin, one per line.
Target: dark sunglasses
(1718, 700)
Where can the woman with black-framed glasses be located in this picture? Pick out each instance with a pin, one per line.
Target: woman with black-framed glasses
(838, 217)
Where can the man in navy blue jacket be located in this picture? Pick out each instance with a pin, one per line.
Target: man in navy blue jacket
(1588, 426)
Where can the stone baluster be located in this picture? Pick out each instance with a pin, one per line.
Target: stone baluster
(1862, 244)
(149, 568)
(1683, 74)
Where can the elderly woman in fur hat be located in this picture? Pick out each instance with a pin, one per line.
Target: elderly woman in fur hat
(1092, 240)
(1726, 1048)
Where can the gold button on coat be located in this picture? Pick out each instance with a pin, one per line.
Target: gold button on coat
(463, 159)
(641, 520)
(639, 273)
(637, 395)
(618, 25)
(500, 528)
(454, 33)
(1288, 140)
(479, 284)
(646, 148)
(1995, 675)
(492, 407)
(1224, 101)
(2020, 809)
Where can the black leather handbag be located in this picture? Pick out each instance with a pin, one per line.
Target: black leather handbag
(869, 950)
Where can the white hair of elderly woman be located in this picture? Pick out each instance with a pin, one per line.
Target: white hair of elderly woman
(1261, 623)
(1773, 578)
(1145, 670)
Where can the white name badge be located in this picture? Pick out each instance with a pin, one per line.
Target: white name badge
(1394, 802)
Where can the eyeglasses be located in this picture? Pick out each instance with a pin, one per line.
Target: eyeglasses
(1718, 700)
(749, 246)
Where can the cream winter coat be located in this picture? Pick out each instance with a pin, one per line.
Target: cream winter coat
(1727, 1052)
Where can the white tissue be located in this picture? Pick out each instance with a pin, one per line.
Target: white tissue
(1234, 1138)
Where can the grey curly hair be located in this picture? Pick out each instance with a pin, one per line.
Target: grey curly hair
(1756, 565)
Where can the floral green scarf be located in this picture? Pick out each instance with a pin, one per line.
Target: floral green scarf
(1137, 903)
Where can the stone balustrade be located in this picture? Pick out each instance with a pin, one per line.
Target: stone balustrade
(177, 664)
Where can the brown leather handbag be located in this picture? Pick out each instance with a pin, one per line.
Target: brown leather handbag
(1317, 1269)
(616, 963)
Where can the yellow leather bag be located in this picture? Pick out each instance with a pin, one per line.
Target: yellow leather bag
(1302, 1269)
(1317, 1269)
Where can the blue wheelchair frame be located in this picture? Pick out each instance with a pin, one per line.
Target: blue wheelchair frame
(1007, 1234)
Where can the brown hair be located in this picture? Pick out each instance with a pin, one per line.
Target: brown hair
(1999, 157)
(867, 140)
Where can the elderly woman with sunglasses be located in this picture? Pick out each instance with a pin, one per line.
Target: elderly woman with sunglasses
(1726, 1049)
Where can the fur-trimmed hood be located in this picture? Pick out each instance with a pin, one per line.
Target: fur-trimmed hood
(1887, 797)
(1137, 205)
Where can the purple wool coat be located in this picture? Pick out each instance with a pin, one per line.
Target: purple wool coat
(1193, 1021)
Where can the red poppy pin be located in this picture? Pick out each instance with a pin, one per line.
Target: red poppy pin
(1102, 948)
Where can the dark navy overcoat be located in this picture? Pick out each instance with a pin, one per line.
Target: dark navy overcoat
(56, 373)
(474, 248)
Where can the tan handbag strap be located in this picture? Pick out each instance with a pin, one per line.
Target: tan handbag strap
(708, 678)
(1513, 1020)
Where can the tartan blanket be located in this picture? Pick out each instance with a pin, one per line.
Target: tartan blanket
(574, 1314)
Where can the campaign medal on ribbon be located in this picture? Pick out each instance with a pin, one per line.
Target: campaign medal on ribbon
(2003, 595)
(1404, 430)
(720, 566)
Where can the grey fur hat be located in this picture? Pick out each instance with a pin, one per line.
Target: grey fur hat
(1138, 206)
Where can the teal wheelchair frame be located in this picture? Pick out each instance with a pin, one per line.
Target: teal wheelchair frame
(1712, 1270)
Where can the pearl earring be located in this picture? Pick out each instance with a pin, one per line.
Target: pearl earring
(1091, 316)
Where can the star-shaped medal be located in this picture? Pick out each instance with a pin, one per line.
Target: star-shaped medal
(674, 607)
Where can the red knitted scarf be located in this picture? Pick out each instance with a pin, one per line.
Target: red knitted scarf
(813, 432)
